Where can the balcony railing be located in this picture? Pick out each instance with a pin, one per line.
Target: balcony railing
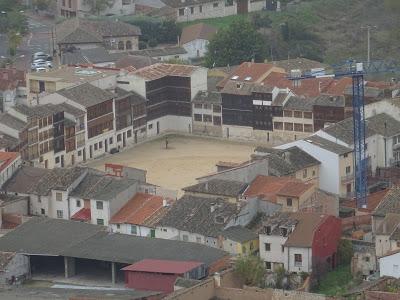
(347, 177)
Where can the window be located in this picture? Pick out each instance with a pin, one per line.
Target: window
(42, 211)
(267, 246)
(110, 140)
(289, 202)
(185, 238)
(181, 11)
(129, 133)
(348, 170)
(95, 146)
(207, 118)
(100, 145)
(207, 106)
(192, 10)
(348, 188)
(99, 204)
(118, 137)
(215, 4)
(278, 125)
(282, 248)
(216, 108)
(268, 265)
(217, 120)
(121, 45)
(313, 173)
(345, 155)
(198, 117)
(100, 222)
(78, 203)
(59, 214)
(59, 196)
(307, 115)
(298, 127)
(80, 153)
(268, 230)
(118, 226)
(133, 229)
(128, 45)
(287, 113)
(305, 173)
(298, 260)
(201, 8)
(289, 126)
(298, 114)
(57, 160)
(198, 105)
(367, 258)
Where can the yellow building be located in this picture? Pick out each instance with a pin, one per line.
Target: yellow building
(238, 240)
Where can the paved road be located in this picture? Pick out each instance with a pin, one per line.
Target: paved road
(38, 39)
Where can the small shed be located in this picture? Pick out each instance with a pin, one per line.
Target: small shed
(160, 275)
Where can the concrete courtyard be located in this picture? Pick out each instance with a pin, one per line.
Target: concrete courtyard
(185, 159)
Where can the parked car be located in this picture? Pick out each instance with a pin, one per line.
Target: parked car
(41, 55)
(41, 64)
(41, 69)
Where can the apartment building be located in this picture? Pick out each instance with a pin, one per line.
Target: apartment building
(169, 90)
(207, 113)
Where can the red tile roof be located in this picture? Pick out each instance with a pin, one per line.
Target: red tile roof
(163, 266)
(373, 201)
(254, 72)
(138, 209)
(311, 87)
(7, 158)
(269, 187)
(82, 215)
(337, 87)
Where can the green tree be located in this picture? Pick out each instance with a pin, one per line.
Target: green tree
(14, 40)
(250, 269)
(345, 252)
(234, 44)
(97, 6)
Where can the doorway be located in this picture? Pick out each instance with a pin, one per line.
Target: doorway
(242, 6)
(62, 161)
(135, 134)
(158, 127)
(91, 151)
(106, 145)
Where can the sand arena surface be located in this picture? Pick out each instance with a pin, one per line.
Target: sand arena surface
(185, 159)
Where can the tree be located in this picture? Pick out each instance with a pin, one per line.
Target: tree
(14, 40)
(345, 252)
(234, 44)
(250, 269)
(97, 6)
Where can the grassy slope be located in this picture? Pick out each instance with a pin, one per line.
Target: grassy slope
(335, 283)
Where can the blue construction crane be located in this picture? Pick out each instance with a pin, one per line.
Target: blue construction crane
(355, 70)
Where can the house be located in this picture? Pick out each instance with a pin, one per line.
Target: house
(133, 217)
(217, 188)
(100, 197)
(169, 89)
(288, 192)
(14, 268)
(40, 84)
(46, 241)
(292, 162)
(160, 275)
(79, 33)
(387, 234)
(381, 132)
(48, 190)
(78, 8)
(190, 10)
(12, 87)
(364, 260)
(238, 240)
(389, 264)
(300, 242)
(336, 174)
(327, 110)
(207, 114)
(163, 54)
(197, 220)
(195, 38)
(9, 164)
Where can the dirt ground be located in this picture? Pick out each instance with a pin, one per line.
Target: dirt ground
(185, 159)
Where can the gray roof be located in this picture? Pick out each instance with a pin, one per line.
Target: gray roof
(6, 199)
(218, 187)
(77, 239)
(389, 204)
(101, 187)
(327, 100)
(86, 56)
(343, 130)
(86, 94)
(207, 97)
(328, 145)
(37, 110)
(239, 234)
(38, 181)
(156, 52)
(12, 122)
(136, 61)
(299, 103)
(298, 158)
(194, 214)
(72, 110)
(280, 99)
(8, 142)
(134, 98)
(279, 167)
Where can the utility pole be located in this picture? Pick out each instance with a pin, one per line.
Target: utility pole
(369, 27)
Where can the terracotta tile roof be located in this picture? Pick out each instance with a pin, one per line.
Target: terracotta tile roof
(337, 87)
(138, 209)
(135, 61)
(373, 201)
(310, 87)
(163, 266)
(253, 72)
(160, 70)
(7, 158)
(197, 31)
(82, 215)
(268, 187)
